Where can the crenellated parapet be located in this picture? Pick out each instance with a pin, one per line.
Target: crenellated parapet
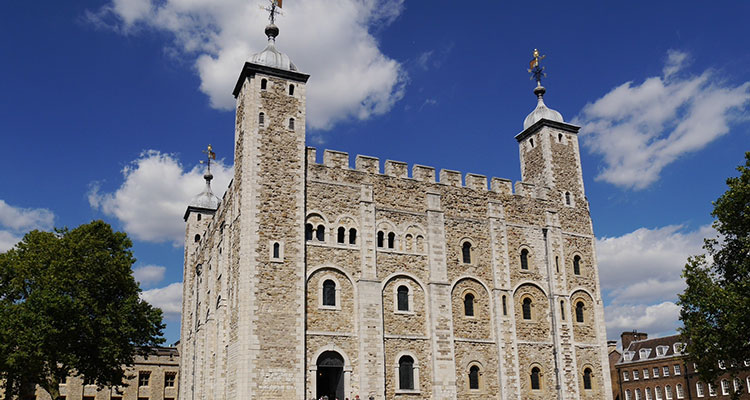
(427, 174)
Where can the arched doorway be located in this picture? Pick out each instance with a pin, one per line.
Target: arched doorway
(330, 376)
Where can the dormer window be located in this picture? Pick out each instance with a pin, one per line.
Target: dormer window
(628, 355)
(661, 350)
(644, 353)
(678, 347)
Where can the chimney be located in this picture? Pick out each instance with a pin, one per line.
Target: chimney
(629, 337)
(611, 346)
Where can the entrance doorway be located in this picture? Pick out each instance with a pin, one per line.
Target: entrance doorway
(330, 379)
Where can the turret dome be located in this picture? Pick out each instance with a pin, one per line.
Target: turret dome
(541, 111)
(270, 56)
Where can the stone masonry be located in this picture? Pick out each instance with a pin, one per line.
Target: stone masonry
(305, 261)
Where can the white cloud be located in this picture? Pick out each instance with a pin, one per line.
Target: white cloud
(656, 320)
(632, 265)
(149, 275)
(155, 194)
(350, 76)
(640, 129)
(16, 221)
(168, 298)
(640, 276)
(22, 219)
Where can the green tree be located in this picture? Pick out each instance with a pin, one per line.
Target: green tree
(69, 305)
(716, 303)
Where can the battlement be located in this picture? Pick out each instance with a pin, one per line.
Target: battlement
(422, 173)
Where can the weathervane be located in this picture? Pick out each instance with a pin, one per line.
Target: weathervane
(210, 155)
(272, 10)
(536, 70)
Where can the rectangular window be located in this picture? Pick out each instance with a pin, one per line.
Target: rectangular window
(635, 375)
(625, 376)
(143, 378)
(656, 372)
(698, 389)
(645, 373)
(724, 387)
(677, 369)
(711, 389)
(665, 370)
(169, 378)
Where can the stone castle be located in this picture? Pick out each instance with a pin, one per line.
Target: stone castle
(308, 280)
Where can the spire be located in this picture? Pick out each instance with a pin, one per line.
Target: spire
(541, 111)
(206, 199)
(270, 56)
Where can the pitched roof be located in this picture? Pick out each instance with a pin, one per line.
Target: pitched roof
(636, 346)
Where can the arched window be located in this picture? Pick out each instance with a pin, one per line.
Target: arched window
(291, 90)
(403, 298)
(469, 305)
(341, 234)
(658, 393)
(679, 390)
(198, 217)
(526, 308)
(559, 137)
(577, 265)
(638, 395)
(320, 233)
(535, 384)
(276, 250)
(308, 231)
(567, 198)
(579, 311)
(628, 396)
(352, 236)
(562, 309)
(408, 242)
(406, 372)
(466, 252)
(291, 124)
(474, 377)
(505, 305)
(391, 240)
(381, 235)
(668, 392)
(197, 238)
(263, 84)
(648, 394)
(329, 293)
(261, 119)
(524, 259)
(420, 243)
(587, 378)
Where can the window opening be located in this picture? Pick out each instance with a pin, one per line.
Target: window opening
(291, 124)
(380, 238)
(524, 259)
(169, 379)
(198, 217)
(535, 378)
(505, 305)
(263, 84)
(391, 240)
(577, 265)
(329, 293)
(291, 90)
(562, 309)
(341, 234)
(474, 377)
(557, 264)
(197, 238)
(352, 236)
(466, 252)
(403, 298)
(406, 372)
(261, 119)
(579, 313)
(526, 307)
(567, 198)
(469, 305)
(320, 233)
(276, 248)
(587, 378)
(143, 378)
(308, 231)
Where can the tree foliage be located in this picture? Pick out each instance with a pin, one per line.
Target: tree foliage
(69, 305)
(716, 303)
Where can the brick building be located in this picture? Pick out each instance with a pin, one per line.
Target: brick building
(308, 279)
(656, 369)
(152, 377)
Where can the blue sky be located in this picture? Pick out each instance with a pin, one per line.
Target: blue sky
(106, 105)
